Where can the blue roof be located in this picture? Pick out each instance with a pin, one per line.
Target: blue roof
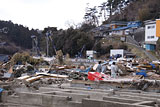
(129, 25)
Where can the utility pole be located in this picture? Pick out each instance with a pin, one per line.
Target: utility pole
(49, 39)
(34, 44)
(47, 42)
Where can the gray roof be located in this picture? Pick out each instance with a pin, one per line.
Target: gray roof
(3, 58)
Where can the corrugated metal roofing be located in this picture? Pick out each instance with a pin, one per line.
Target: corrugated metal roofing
(129, 25)
(3, 58)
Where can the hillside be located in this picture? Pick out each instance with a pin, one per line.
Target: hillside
(14, 37)
(138, 10)
(72, 40)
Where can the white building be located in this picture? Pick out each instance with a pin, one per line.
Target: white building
(121, 53)
(91, 54)
(150, 35)
(118, 32)
(114, 52)
(150, 31)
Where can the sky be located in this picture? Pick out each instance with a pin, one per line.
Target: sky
(39, 14)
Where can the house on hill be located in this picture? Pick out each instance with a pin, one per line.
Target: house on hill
(150, 35)
(117, 24)
(126, 30)
(105, 29)
(117, 28)
(101, 31)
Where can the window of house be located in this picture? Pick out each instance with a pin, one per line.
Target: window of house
(150, 37)
(151, 27)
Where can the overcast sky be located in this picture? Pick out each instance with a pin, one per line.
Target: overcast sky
(43, 13)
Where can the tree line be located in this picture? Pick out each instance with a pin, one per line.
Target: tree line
(105, 10)
(72, 40)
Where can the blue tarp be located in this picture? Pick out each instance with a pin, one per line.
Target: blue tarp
(141, 73)
(142, 70)
(86, 71)
(7, 75)
(153, 66)
(1, 90)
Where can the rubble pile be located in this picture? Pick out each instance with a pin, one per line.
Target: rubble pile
(137, 73)
(69, 79)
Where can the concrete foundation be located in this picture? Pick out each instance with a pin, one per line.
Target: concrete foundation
(52, 96)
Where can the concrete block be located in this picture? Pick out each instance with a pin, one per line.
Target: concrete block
(74, 104)
(53, 100)
(156, 105)
(45, 89)
(48, 89)
(138, 98)
(131, 91)
(11, 105)
(158, 101)
(40, 100)
(29, 106)
(59, 101)
(122, 100)
(90, 103)
(101, 103)
(148, 103)
(47, 100)
(139, 94)
(75, 96)
(13, 99)
(95, 94)
(16, 105)
(92, 94)
(4, 96)
(2, 105)
(31, 99)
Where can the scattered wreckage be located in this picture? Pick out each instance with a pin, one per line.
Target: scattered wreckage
(136, 73)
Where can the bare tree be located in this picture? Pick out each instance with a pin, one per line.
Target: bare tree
(91, 16)
(103, 10)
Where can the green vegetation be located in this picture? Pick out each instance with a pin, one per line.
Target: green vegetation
(72, 40)
(16, 37)
(138, 10)
(69, 41)
(137, 52)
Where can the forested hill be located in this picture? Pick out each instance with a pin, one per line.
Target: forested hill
(72, 40)
(17, 34)
(13, 36)
(138, 10)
